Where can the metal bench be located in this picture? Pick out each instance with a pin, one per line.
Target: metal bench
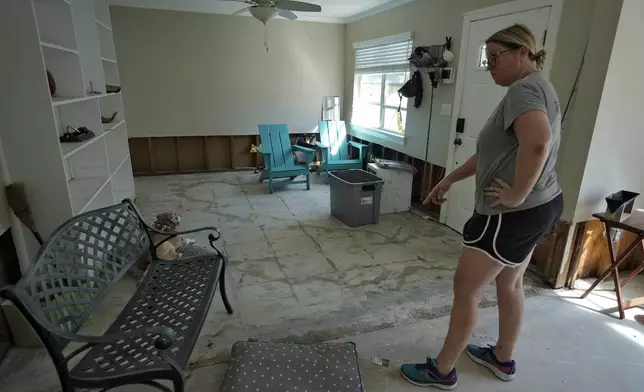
(154, 335)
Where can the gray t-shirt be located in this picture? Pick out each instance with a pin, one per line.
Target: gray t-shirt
(497, 144)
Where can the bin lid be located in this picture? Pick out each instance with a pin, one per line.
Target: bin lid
(395, 165)
(355, 176)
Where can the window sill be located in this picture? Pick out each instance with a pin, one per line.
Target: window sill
(377, 135)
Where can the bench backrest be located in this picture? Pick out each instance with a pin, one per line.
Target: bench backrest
(79, 264)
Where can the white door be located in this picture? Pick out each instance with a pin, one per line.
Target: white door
(479, 99)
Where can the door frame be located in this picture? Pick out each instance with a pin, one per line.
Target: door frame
(487, 13)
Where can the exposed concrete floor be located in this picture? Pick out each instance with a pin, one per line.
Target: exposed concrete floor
(293, 264)
(298, 274)
(563, 347)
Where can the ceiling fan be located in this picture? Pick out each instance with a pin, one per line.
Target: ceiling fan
(266, 10)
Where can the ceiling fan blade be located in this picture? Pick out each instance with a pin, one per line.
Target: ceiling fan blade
(241, 11)
(288, 14)
(297, 6)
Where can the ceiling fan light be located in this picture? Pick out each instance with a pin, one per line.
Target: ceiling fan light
(264, 14)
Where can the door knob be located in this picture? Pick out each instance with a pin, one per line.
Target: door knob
(458, 141)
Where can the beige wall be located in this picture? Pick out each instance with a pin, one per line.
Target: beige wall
(204, 74)
(615, 158)
(432, 20)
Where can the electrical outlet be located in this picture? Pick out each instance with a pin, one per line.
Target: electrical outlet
(446, 109)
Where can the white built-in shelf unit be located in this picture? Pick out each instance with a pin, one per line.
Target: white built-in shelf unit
(72, 40)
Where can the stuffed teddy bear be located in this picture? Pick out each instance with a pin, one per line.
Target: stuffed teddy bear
(169, 250)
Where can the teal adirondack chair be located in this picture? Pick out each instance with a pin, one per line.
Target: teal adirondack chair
(335, 150)
(278, 157)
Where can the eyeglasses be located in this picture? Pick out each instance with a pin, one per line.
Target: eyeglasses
(492, 59)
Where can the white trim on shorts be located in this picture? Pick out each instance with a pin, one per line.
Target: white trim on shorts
(482, 234)
(498, 258)
(488, 255)
(498, 228)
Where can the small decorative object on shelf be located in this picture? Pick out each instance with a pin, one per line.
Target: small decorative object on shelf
(448, 55)
(91, 90)
(107, 120)
(79, 135)
(428, 57)
(52, 83)
(110, 88)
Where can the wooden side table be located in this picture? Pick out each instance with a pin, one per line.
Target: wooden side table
(634, 224)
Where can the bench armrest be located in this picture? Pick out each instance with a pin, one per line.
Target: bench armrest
(322, 146)
(182, 232)
(304, 149)
(172, 234)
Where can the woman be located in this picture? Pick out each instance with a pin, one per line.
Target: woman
(518, 200)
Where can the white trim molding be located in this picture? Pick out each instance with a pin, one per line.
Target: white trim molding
(487, 13)
(377, 10)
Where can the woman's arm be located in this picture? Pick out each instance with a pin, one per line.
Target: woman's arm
(468, 169)
(437, 195)
(534, 134)
(533, 131)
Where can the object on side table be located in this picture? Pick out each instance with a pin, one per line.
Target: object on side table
(355, 197)
(79, 135)
(618, 206)
(107, 120)
(111, 88)
(52, 83)
(620, 203)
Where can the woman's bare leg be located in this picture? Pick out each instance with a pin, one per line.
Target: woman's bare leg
(475, 270)
(511, 302)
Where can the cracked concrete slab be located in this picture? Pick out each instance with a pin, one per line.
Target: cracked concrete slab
(296, 273)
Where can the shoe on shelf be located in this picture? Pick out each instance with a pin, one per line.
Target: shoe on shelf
(427, 375)
(485, 356)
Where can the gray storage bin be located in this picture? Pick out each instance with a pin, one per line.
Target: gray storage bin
(355, 197)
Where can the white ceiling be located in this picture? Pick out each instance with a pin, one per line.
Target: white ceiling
(333, 11)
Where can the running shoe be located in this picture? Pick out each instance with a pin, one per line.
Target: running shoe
(485, 356)
(427, 375)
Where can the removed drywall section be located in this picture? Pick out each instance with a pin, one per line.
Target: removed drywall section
(615, 158)
(192, 74)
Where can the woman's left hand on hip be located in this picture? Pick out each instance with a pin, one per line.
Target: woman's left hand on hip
(504, 194)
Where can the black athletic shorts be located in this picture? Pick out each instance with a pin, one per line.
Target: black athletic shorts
(509, 238)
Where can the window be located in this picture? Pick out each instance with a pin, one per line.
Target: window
(382, 68)
(483, 57)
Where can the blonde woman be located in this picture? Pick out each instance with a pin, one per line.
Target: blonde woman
(518, 199)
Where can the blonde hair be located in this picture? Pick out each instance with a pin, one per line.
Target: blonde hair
(517, 36)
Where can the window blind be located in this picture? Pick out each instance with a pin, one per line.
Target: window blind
(387, 54)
